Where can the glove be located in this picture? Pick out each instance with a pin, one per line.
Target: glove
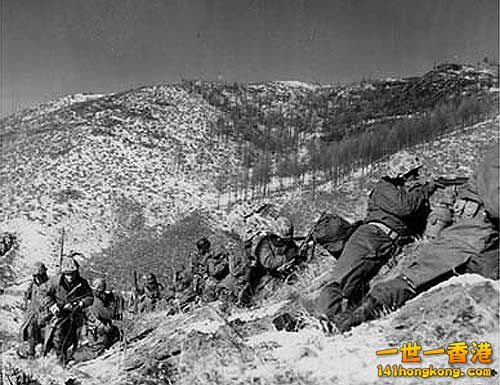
(54, 309)
(73, 305)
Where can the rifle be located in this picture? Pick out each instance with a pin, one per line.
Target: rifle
(308, 238)
(191, 263)
(287, 268)
(136, 285)
(172, 269)
(57, 322)
(134, 298)
(443, 182)
(61, 253)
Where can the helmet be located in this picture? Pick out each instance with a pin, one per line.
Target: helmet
(99, 284)
(38, 268)
(284, 227)
(69, 265)
(203, 243)
(402, 163)
(150, 278)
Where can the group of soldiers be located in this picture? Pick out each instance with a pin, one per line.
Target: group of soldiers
(398, 212)
(63, 308)
(218, 275)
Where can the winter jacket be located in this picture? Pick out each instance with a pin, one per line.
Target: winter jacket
(35, 293)
(102, 310)
(31, 328)
(100, 330)
(397, 206)
(218, 266)
(61, 292)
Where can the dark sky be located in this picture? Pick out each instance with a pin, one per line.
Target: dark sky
(51, 48)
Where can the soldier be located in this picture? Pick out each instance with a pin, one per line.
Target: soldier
(168, 300)
(65, 299)
(200, 267)
(215, 268)
(7, 242)
(470, 245)
(32, 328)
(101, 332)
(149, 295)
(397, 208)
(184, 287)
(270, 255)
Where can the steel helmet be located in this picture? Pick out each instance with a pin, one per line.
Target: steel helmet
(69, 265)
(99, 284)
(402, 163)
(284, 227)
(38, 268)
(150, 278)
(203, 243)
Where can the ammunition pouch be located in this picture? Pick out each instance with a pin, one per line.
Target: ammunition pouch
(469, 209)
(438, 219)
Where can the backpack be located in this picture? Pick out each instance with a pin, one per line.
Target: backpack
(272, 252)
(331, 231)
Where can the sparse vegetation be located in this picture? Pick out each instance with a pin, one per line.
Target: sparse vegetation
(14, 376)
(136, 177)
(328, 132)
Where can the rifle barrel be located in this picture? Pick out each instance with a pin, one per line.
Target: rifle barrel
(136, 285)
(62, 250)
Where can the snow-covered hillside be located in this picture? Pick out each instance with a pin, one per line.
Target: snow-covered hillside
(211, 347)
(134, 178)
(75, 163)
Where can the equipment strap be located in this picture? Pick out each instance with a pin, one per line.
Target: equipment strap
(386, 230)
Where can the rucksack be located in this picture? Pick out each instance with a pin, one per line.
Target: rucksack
(331, 231)
(272, 252)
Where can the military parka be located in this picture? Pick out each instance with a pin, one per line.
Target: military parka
(397, 205)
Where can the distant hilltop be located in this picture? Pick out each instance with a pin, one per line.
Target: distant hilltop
(92, 162)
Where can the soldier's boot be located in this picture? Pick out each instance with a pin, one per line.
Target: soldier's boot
(384, 298)
(327, 320)
(349, 318)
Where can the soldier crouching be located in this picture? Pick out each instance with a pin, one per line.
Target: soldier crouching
(269, 256)
(148, 297)
(101, 333)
